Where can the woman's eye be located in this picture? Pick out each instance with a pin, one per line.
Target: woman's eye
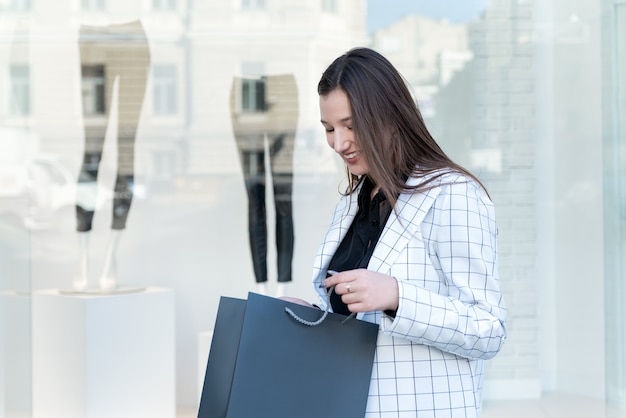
(329, 129)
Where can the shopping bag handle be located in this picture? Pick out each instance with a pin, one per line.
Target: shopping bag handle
(321, 319)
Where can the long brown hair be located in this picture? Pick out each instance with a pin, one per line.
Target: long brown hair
(387, 124)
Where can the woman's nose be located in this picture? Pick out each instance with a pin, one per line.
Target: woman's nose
(341, 142)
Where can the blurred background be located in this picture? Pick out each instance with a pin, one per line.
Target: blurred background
(189, 101)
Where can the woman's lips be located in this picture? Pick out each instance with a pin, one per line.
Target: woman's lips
(351, 157)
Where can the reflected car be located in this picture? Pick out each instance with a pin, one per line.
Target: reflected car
(42, 189)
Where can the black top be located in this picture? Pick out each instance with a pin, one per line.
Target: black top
(358, 245)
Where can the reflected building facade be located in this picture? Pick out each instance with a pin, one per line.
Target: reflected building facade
(473, 83)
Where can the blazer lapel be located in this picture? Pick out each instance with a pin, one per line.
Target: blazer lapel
(401, 227)
(345, 211)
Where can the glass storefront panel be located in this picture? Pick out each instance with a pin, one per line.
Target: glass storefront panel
(177, 145)
(17, 140)
(615, 201)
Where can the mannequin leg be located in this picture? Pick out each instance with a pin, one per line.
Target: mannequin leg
(93, 71)
(279, 124)
(108, 280)
(261, 288)
(250, 141)
(281, 149)
(257, 222)
(284, 226)
(281, 289)
(131, 61)
(82, 280)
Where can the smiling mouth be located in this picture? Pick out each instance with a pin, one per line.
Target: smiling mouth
(351, 155)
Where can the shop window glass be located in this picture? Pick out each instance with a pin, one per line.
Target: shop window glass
(20, 90)
(253, 4)
(615, 213)
(93, 5)
(165, 91)
(329, 6)
(164, 4)
(20, 5)
(493, 80)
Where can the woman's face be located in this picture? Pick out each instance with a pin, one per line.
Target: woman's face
(336, 118)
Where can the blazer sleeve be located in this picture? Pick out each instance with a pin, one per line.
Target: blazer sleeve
(465, 314)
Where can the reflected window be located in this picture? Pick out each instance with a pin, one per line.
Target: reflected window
(19, 100)
(165, 92)
(164, 165)
(329, 6)
(164, 5)
(20, 5)
(253, 4)
(252, 87)
(92, 4)
(93, 89)
(253, 94)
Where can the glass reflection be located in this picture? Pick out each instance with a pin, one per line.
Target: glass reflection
(500, 86)
(264, 115)
(114, 55)
(615, 212)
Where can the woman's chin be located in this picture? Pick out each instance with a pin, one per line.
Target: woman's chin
(357, 171)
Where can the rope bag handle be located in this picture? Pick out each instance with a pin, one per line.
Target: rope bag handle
(324, 315)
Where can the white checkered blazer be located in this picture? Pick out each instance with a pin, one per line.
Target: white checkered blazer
(441, 247)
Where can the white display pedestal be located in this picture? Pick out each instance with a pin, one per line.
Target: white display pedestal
(15, 353)
(103, 356)
(204, 347)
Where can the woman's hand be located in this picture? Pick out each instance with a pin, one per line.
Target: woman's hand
(364, 290)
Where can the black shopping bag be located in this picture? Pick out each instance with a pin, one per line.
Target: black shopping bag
(265, 363)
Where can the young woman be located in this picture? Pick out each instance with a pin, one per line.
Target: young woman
(411, 246)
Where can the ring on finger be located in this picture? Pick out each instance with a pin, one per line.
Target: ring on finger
(348, 288)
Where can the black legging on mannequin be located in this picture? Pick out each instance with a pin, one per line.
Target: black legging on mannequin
(122, 52)
(277, 122)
